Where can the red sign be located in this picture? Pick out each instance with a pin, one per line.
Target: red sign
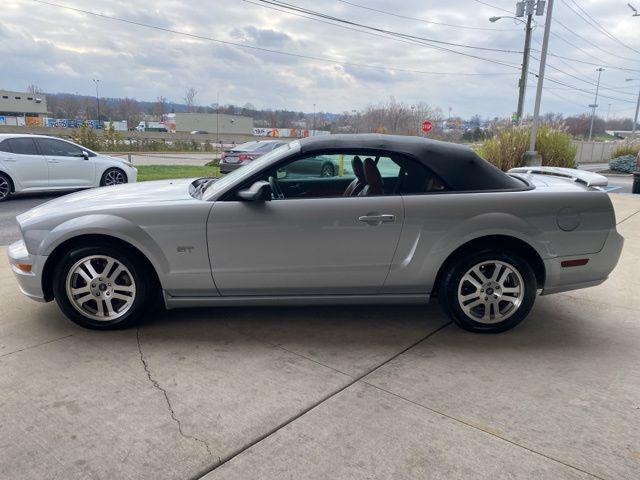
(427, 126)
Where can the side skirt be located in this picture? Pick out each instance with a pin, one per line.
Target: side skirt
(302, 300)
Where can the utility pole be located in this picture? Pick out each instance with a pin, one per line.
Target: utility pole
(218, 117)
(525, 8)
(97, 84)
(635, 118)
(595, 104)
(531, 157)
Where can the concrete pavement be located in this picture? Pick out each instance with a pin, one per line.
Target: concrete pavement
(375, 392)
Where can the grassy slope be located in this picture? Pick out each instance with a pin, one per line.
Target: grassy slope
(161, 172)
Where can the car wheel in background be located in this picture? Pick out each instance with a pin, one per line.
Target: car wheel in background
(103, 288)
(489, 291)
(113, 176)
(328, 170)
(5, 187)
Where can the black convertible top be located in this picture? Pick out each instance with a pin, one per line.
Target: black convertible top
(458, 166)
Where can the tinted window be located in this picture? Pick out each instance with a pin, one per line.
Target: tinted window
(23, 146)
(59, 148)
(4, 146)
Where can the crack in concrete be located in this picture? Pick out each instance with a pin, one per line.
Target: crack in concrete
(155, 383)
(627, 218)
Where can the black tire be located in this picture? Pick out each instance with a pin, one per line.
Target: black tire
(113, 176)
(6, 187)
(146, 288)
(328, 170)
(450, 286)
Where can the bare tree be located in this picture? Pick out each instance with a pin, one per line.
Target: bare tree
(160, 107)
(190, 98)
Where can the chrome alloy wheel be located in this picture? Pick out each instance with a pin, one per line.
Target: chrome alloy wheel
(491, 291)
(100, 287)
(114, 177)
(5, 188)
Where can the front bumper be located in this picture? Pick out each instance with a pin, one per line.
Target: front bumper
(132, 174)
(597, 270)
(30, 283)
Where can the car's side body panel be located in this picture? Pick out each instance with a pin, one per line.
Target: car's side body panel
(437, 224)
(303, 246)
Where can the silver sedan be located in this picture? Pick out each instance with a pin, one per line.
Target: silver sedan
(401, 220)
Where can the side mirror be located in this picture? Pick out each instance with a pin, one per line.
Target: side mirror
(258, 192)
(85, 154)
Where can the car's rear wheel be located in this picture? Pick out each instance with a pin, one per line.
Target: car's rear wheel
(5, 187)
(328, 170)
(113, 176)
(489, 291)
(103, 288)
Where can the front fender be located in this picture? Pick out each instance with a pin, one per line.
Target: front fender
(99, 224)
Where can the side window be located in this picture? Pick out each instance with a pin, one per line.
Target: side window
(415, 178)
(23, 146)
(58, 148)
(5, 147)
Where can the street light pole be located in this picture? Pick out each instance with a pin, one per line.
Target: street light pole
(525, 67)
(635, 118)
(97, 84)
(595, 103)
(531, 157)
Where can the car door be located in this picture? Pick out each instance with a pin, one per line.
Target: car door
(67, 165)
(304, 245)
(25, 164)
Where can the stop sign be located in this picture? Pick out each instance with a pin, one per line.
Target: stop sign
(427, 126)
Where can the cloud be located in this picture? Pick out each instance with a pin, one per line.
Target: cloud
(62, 51)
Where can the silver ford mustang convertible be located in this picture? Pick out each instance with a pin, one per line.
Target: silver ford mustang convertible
(398, 220)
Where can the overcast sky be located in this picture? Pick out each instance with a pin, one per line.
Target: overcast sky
(62, 51)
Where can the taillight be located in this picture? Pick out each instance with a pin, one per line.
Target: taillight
(244, 156)
(223, 155)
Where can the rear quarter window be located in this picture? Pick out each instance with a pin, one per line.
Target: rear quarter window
(23, 146)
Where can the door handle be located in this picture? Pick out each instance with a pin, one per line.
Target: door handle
(377, 219)
(54, 161)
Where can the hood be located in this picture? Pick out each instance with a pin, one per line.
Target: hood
(113, 197)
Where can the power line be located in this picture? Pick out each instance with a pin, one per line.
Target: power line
(594, 23)
(586, 40)
(314, 13)
(493, 6)
(406, 17)
(263, 49)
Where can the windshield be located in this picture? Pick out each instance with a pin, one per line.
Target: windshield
(248, 169)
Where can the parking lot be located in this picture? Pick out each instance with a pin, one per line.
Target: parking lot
(350, 392)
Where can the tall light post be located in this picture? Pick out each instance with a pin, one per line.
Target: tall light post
(595, 103)
(97, 84)
(314, 120)
(635, 118)
(531, 157)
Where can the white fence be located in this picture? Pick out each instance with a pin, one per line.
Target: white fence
(594, 152)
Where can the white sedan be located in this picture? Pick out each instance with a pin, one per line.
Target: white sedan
(37, 163)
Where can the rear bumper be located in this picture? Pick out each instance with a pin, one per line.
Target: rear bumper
(30, 283)
(597, 270)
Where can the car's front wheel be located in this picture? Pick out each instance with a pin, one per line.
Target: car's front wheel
(103, 288)
(489, 291)
(113, 176)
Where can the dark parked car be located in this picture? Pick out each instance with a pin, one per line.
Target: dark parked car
(241, 155)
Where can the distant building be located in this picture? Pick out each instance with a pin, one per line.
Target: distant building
(212, 123)
(20, 108)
